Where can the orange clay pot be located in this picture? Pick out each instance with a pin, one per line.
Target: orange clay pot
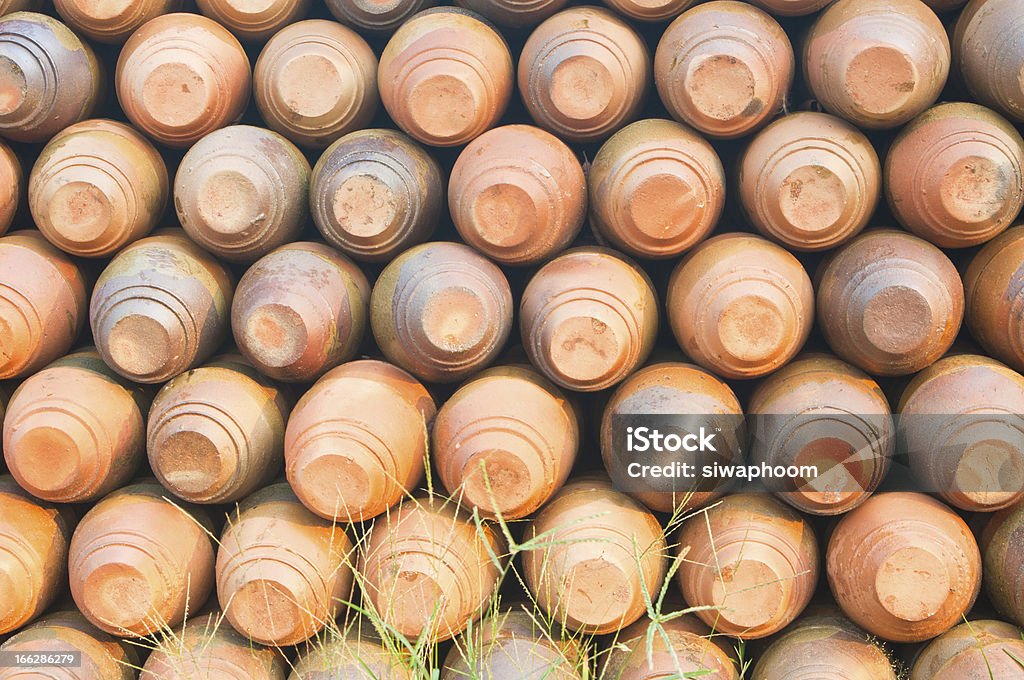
(1004, 563)
(112, 22)
(676, 651)
(973, 649)
(12, 186)
(514, 13)
(790, 8)
(254, 21)
(994, 294)
(375, 17)
(61, 632)
(207, 647)
(990, 55)
(349, 655)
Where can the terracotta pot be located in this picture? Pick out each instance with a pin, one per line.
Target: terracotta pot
(441, 311)
(954, 175)
(207, 647)
(12, 186)
(904, 566)
(790, 8)
(33, 555)
(598, 552)
(588, 318)
(97, 186)
(657, 189)
(751, 558)
(1004, 563)
(242, 191)
(673, 389)
(254, 21)
(584, 73)
(994, 294)
(42, 303)
(216, 433)
(723, 67)
(518, 195)
(50, 80)
(676, 651)
(375, 193)
(316, 81)
(112, 23)
(160, 308)
(68, 631)
(810, 181)
(441, 94)
(300, 311)
(822, 412)
(182, 76)
(506, 441)
(514, 13)
(428, 570)
(349, 656)
(75, 430)
(974, 649)
(990, 54)
(740, 306)
(375, 17)
(356, 442)
(282, 573)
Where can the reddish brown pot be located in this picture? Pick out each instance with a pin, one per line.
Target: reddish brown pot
(588, 318)
(348, 655)
(584, 73)
(160, 308)
(12, 186)
(822, 412)
(877, 63)
(182, 76)
(600, 552)
(254, 21)
(50, 79)
(995, 295)
(33, 555)
(890, 303)
(790, 8)
(375, 193)
(990, 54)
(242, 191)
(657, 189)
(751, 558)
(810, 181)
(112, 22)
(356, 442)
(740, 305)
(441, 311)
(723, 67)
(97, 186)
(43, 303)
(954, 175)
(68, 631)
(674, 389)
(375, 17)
(282, 573)
(505, 442)
(904, 566)
(1004, 563)
(514, 13)
(300, 311)
(75, 430)
(428, 570)
(974, 649)
(316, 81)
(441, 94)
(207, 647)
(676, 651)
(216, 434)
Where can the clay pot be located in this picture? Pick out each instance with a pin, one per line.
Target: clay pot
(348, 656)
(50, 79)
(790, 8)
(514, 13)
(505, 442)
(97, 186)
(300, 311)
(954, 175)
(752, 559)
(206, 647)
(723, 67)
(974, 649)
(903, 566)
(242, 191)
(75, 430)
(598, 551)
(518, 195)
(254, 21)
(441, 311)
(112, 22)
(583, 74)
(676, 651)
(160, 308)
(877, 63)
(994, 294)
(216, 433)
(375, 193)
(356, 442)
(588, 318)
(68, 631)
(657, 189)
(282, 573)
(810, 181)
(1004, 563)
(667, 389)
(12, 185)
(889, 303)
(640, 10)
(990, 55)
(428, 570)
(375, 17)
(182, 76)
(42, 303)
(445, 77)
(740, 306)
(139, 563)
(316, 81)
(33, 556)
(822, 412)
